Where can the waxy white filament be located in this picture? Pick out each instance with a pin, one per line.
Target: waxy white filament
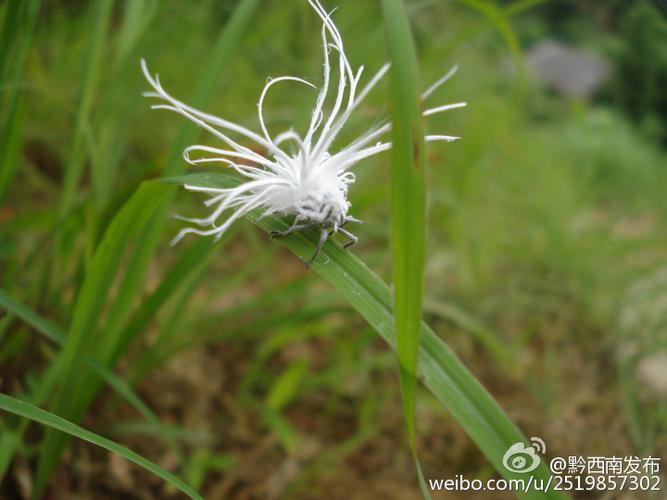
(310, 182)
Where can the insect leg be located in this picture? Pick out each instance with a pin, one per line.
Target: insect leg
(293, 229)
(324, 234)
(276, 234)
(353, 238)
(334, 229)
(349, 218)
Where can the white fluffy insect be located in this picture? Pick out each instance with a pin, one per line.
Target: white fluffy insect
(308, 180)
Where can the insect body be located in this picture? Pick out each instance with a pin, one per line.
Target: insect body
(327, 217)
(321, 204)
(310, 184)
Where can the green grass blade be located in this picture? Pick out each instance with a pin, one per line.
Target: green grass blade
(117, 336)
(408, 205)
(26, 410)
(101, 17)
(408, 208)
(194, 257)
(30, 317)
(150, 239)
(499, 18)
(439, 368)
(53, 333)
(104, 268)
(222, 52)
(78, 151)
(10, 31)
(19, 26)
(135, 18)
(10, 142)
(114, 116)
(91, 299)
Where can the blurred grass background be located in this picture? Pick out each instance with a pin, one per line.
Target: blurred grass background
(545, 261)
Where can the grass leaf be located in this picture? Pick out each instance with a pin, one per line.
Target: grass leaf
(499, 18)
(408, 206)
(100, 18)
(17, 30)
(23, 409)
(151, 207)
(439, 368)
(91, 299)
(53, 333)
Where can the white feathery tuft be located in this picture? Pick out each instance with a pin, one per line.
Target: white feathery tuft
(312, 182)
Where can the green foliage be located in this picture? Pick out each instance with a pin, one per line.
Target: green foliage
(545, 236)
(54, 334)
(52, 421)
(408, 207)
(439, 368)
(640, 82)
(71, 399)
(19, 24)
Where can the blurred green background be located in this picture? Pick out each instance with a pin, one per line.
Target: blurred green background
(546, 259)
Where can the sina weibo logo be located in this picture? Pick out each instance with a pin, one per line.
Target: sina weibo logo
(522, 458)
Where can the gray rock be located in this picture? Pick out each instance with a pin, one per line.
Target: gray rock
(566, 69)
(652, 373)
